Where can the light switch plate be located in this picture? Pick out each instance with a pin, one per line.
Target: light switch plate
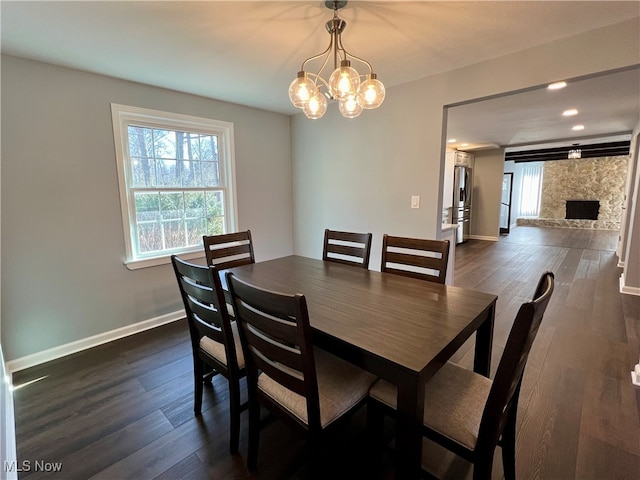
(415, 201)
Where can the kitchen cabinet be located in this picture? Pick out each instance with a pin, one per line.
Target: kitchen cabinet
(463, 159)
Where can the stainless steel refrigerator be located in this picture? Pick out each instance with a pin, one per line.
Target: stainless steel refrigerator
(461, 211)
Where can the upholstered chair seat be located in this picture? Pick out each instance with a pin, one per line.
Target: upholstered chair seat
(217, 350)
(454, 401)
(341, 386)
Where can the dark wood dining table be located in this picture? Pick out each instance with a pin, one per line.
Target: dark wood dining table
(399, 328)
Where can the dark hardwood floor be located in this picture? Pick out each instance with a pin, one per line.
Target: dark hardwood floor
(125, 409)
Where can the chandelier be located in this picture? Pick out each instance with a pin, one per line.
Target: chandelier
(573, 154)
(353, 92)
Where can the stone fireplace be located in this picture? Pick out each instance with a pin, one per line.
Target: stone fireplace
(600, 180)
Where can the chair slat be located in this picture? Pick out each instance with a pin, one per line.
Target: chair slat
(357, 252)
(438, 262)
(229, 246)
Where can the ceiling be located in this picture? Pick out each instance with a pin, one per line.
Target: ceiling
(247, 52)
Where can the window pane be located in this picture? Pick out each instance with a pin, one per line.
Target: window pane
(147, 207)
(149, 237)
(168, 173)
(194, 205)
(143, 172)
(140, 141)
(209, 147)
(172, 205)
(174, 235)
(164, 144)
(210, 174)
(215, 213)
(194, 147)
(188, 173)
(196, 228)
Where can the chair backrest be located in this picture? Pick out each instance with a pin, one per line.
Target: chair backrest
(276, 339)
(205, 306)
(415, 257)
(229, 250)
(503, 397)
(347, 247)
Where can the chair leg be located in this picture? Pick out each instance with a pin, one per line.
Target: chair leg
(234, 408)
(198, 370)
(483, 466)
(315, 449)
(254, 434)
(375, 425)
(509, 448)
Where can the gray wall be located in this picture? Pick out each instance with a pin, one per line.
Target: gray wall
(487, 193)
(63, 277)
(360, 174)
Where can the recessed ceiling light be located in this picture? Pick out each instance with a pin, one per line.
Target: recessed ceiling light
(578, 127)
(570, 112)
(464, 145)
(557, 85)
(452, 140)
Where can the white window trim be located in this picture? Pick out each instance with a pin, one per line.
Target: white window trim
(122, 116)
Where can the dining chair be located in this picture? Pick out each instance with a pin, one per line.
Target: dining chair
(347, 247)
(214, 338)
(415, 257)
(229, 249)
(308, 388)
(468, 413)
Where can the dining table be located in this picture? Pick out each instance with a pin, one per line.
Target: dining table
(399, 328)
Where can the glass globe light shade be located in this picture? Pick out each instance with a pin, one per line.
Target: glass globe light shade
(349, 107)
(316, 107)
(301, 90)
(344, 80)
(371, 93)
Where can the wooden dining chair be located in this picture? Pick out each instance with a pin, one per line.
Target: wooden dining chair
(229, 250)
(415, 257)
(308, 388)
(347, 247)
(214, 338)
(468, 413)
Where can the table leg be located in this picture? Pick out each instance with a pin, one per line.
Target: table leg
(484, 343)
(409, 422)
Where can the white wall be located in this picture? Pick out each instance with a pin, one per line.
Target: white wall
(63, 277)
(630, 278)
(359, 174)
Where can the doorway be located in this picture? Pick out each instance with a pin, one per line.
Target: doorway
(505, 203)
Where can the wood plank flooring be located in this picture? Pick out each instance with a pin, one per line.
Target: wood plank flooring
(125, 409)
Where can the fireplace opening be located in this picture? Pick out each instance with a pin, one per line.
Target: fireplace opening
(582, 209)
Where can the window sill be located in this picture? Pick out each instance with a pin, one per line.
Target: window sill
(163, 260)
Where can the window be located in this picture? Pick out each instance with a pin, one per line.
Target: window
(531, 189)
(176, 176)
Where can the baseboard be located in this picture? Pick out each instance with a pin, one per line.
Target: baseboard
(483, 237)
(79, 345)
(626, 289)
